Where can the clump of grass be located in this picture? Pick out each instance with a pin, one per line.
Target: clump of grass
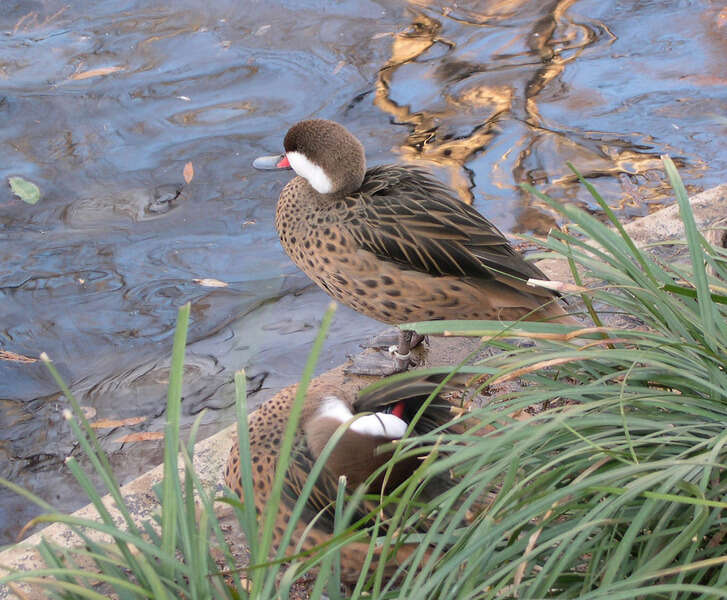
(615, 489)
(620, 489)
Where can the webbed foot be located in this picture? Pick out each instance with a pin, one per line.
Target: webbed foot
(380, 363)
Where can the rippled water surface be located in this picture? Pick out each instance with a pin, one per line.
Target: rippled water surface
(103, 103)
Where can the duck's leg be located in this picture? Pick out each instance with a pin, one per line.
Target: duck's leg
(396, 360)
(402, 353)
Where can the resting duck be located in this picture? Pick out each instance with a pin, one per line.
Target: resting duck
(394, 243)
(390, 410)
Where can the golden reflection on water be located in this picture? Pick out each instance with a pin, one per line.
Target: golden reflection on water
(513, 88)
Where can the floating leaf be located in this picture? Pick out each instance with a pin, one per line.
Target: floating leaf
(26, 190)
(209, 282)
(141, 436)
(12, 356)
(188, 172)
(722, 18)
(110, 423)
(95, 72)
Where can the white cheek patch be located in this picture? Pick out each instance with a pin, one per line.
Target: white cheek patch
(376, 425)
(315, 175)
(380, 425)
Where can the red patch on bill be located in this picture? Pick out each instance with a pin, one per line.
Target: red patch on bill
(398, 410)
(284, 163)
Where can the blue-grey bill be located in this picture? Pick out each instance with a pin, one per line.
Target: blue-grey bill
(265, 163)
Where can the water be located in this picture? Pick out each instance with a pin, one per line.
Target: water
(103, 103)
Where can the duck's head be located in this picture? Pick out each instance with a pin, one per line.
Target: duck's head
(324, 153)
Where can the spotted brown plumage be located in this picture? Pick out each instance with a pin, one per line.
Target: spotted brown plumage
(355, 455)
(394, 243)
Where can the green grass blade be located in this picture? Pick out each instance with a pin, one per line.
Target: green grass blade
(170, 485)
(249, 515)
(696, 252)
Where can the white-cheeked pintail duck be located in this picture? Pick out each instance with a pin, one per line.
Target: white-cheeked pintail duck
(390, 410)
(394, 243)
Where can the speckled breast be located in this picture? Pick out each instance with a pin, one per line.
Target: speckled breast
(315, 236)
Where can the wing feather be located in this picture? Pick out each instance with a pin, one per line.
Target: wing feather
(404, 215)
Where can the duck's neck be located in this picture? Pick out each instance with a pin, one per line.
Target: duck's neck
(315, 200)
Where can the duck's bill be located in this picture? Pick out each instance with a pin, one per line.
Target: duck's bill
(266, 163)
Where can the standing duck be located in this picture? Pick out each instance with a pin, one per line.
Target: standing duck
(390, 410)
(394, 243)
